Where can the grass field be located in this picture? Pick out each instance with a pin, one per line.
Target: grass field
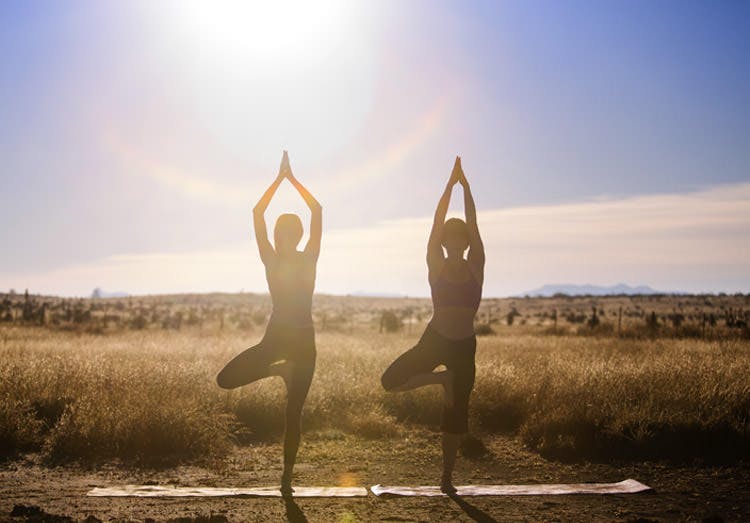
(148, 396)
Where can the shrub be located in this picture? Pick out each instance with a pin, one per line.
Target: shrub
(390, 322)
(137, 425)
(483, 329)
(20, 431)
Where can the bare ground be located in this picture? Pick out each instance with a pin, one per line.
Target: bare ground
(682, 493)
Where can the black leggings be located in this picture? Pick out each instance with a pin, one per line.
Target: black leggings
(280, 342)
(433, 350)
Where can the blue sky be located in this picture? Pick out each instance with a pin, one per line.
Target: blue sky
(135, 137)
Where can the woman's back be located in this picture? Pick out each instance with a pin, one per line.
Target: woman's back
(291, 282)
(456, 295)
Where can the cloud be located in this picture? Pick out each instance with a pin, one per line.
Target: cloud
(692, 242)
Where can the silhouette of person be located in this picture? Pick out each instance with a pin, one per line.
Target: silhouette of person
(449, 338)
(288, 345)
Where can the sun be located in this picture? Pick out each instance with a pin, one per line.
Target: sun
(253, 77)
(277, 33)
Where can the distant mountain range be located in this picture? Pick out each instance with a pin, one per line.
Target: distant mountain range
(590, 290)
(543, 291)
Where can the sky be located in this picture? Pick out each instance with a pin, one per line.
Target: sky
(605, 142)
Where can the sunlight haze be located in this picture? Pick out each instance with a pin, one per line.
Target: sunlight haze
(604, 142)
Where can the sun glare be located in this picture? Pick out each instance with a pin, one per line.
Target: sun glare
(259, 76)
(291, 32)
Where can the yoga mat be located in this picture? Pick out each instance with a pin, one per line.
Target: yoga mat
(628, 486)
(160, 491)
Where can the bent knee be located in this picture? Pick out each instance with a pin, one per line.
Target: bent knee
(390, 380)
(223, 381)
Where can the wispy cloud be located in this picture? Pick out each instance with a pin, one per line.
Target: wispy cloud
(695, 241)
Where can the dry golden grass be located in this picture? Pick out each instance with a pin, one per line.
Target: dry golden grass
(149, 397)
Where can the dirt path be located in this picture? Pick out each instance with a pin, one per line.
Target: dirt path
(681, 493)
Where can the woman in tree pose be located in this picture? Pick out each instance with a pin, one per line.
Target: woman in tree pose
(449, 338)
(288, 346)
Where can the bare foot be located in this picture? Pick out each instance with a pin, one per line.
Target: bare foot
(286, 485)
(446, 486)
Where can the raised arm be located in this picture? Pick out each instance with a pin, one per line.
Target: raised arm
(316, 211)
(259, 220)
(435, 255)
(476, 247)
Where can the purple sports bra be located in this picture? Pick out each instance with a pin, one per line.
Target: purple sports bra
(446, 293)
